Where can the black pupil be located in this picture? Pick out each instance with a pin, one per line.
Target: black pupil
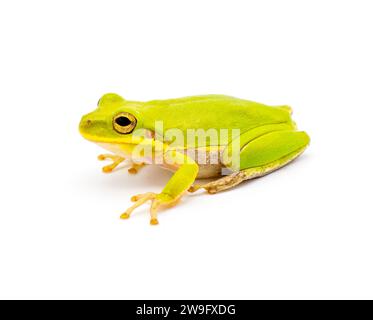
(122, 121)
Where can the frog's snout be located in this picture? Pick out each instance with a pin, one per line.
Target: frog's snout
(93, 125)
(88, 125)
(85, 123)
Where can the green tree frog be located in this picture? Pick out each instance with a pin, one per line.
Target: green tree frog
(219, 137)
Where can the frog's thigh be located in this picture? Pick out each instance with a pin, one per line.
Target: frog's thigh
(263, 155)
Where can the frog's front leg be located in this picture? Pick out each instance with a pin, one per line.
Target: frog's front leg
(179, 183)
(134, 169)
(116, 161)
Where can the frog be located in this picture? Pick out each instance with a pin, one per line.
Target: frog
(258, 140)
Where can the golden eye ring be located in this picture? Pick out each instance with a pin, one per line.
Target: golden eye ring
(124, 122)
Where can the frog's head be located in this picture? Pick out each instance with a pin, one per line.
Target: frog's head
(114, 121)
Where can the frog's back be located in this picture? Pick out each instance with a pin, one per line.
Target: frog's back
(217, 111)
(194, 99)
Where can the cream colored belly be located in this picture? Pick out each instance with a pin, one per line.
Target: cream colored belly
(205, 170)
(209, 162)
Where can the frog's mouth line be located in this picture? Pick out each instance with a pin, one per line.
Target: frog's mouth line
(136, 137)
(129, 139)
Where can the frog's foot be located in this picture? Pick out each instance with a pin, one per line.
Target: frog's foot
(222, 183)
(136, 167)
(116, 161)
(156, 201)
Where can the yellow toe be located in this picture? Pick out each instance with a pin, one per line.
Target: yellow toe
(194, 188)
(132, 170)
(107, 170)
(135, 198)
(211, 191)
(154, 222)
(125, 216)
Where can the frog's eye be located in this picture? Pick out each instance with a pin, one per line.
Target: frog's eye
(124, 122)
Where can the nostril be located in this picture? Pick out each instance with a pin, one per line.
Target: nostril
(88, 122)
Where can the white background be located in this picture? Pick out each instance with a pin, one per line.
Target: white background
(305, 231)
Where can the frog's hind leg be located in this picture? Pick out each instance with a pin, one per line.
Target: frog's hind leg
(236, 178)
(221, 184)
(284, 154)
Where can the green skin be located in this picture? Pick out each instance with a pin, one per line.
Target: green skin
(268, 137)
